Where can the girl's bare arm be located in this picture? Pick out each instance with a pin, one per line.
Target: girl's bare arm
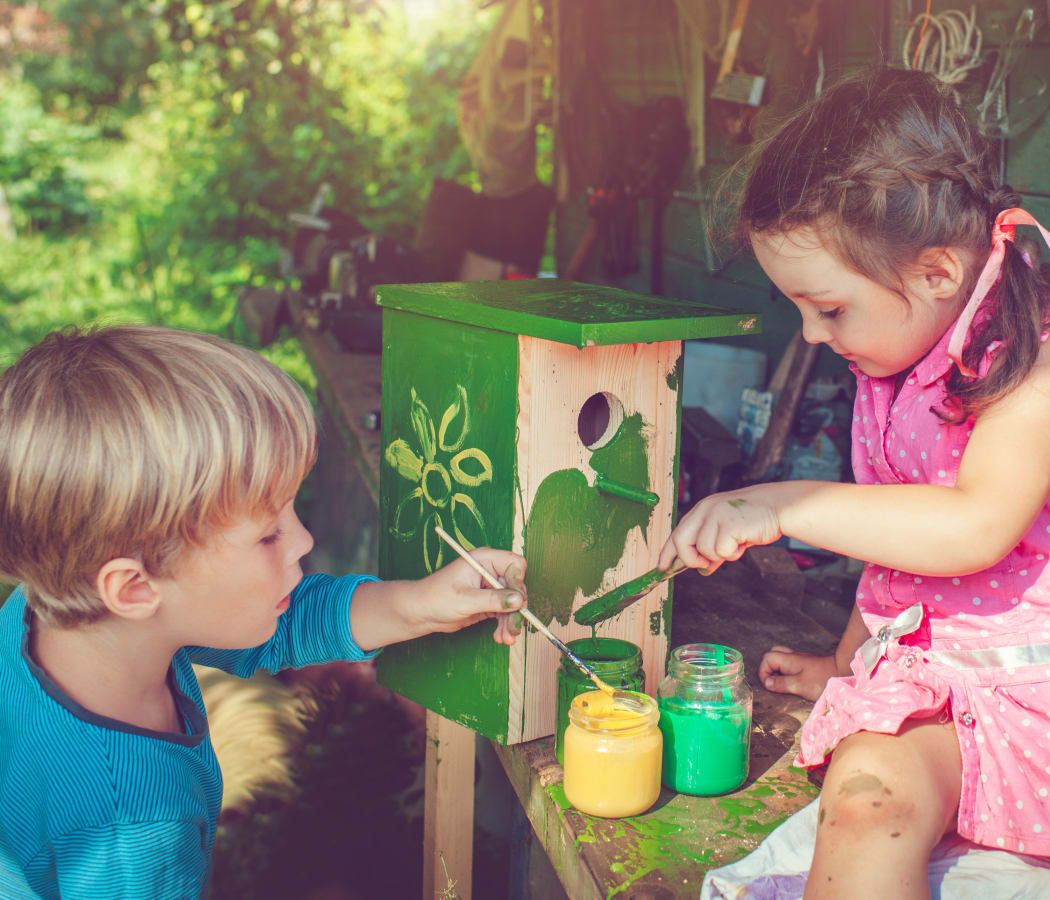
(1003, 483)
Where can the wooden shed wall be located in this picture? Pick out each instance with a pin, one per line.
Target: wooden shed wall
(634, 50)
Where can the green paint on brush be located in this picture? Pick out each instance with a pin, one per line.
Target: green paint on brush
(575, 534)
(608, 605)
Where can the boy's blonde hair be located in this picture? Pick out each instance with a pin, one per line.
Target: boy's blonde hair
(137, 441)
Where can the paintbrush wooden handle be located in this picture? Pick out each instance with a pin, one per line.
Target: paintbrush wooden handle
(526, 613)
(492, 582)
(473, 563)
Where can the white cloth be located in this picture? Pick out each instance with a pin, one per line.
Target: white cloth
(959, 869)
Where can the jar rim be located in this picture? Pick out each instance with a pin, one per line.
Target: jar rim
(615, 656)
(648, 716)
(705, 660)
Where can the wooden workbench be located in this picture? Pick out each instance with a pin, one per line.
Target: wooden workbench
(665, 852)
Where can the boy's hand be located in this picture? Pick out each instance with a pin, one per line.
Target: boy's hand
(721, 527)
(456, 596)
(784, 671)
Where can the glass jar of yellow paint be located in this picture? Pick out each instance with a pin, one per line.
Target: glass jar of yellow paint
(612, 755)
(705, 716)
(618, 663)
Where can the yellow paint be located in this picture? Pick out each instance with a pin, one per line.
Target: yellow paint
(612, 755)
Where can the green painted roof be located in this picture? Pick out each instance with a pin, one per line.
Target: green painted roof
(566, 311)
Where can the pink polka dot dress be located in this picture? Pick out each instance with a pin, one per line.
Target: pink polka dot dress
(980, 655)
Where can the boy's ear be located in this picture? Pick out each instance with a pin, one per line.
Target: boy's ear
(127, 589)
(941, 272)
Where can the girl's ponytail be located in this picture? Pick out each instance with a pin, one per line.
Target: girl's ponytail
(1018, 319)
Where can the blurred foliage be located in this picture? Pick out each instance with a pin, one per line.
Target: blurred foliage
(111, 44)
(151, 166)
(37, 163)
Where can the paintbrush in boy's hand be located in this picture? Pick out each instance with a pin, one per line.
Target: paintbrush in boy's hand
(625, 700)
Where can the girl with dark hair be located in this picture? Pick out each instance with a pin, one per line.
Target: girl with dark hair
(877, 211)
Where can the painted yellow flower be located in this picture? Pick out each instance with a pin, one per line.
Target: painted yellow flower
(439, 478)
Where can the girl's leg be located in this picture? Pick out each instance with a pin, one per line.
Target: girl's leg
(887, 800)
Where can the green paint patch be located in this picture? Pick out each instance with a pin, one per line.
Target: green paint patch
(737, 504)
(557, 793)
(575, 533)
(674, 377)
(625, 460)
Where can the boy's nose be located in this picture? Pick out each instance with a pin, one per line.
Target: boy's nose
(303, 543)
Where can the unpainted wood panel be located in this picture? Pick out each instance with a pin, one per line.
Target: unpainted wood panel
(581, 543)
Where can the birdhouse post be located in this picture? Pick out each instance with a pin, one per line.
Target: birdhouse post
(540, 416)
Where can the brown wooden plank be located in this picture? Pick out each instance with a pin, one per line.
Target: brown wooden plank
(448, 810)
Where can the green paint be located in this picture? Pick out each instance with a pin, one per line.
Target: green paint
(706, 746)
(625, 459)
(574, 533)
(674, 377)
(566, 312)
(618, 663)
(737, 504)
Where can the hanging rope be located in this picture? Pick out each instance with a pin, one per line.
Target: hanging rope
(950, 50)
(998, 118)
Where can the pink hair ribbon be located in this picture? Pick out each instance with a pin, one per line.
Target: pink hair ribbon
(1002, 231)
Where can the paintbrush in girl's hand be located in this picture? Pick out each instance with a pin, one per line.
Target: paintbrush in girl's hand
(618, 599)
(626, 700)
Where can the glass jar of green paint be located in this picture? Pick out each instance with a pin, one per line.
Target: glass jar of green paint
(618, 663)
(705, 716)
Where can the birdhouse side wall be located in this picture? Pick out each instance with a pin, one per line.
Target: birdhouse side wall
(449, 406)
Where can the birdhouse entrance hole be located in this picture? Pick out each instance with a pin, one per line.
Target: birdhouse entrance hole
(600, 419)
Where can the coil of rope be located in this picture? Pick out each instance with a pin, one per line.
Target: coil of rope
(952, 48)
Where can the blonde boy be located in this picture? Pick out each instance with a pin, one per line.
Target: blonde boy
(146, 486)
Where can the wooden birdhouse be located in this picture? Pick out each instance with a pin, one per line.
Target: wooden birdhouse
(540, 416)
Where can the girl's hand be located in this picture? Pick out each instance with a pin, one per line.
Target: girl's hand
(784, 671)
(722, 526)
(456, 596)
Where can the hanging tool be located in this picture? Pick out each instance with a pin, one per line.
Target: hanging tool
(737, 87)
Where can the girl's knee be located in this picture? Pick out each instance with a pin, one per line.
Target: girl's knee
(867, 802)
(877, 786)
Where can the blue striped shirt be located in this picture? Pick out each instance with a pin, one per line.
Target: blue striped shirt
(91, 807)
